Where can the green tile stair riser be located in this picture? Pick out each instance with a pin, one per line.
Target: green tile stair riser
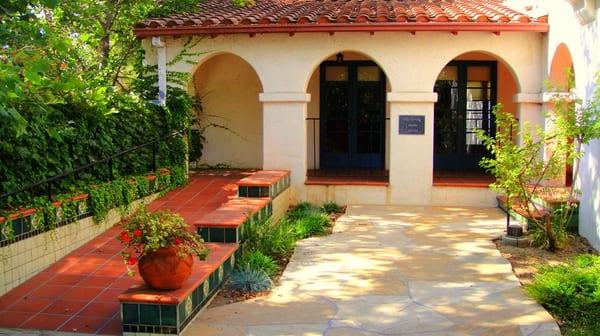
(231, 235)
(217, 235)
(149, 314)
(168, 315)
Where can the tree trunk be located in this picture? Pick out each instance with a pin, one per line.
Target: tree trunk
(550, 235)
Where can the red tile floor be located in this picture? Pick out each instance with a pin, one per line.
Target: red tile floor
(79, 292)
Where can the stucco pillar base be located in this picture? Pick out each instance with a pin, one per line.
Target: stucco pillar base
(411, 156)
(529, 112)
(284, 136)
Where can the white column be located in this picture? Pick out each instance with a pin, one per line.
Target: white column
(284, 135)
(411, 156)
(161, 59)
(529, 111)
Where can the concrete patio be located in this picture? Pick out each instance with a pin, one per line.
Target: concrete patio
(392, 271)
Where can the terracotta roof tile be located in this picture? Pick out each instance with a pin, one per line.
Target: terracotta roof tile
(214, 16)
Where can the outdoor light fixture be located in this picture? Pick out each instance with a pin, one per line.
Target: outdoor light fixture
(339, 58)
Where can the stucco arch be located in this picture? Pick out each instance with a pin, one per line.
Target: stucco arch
(329, 54)
(228, 89)
(561, 61)
(204, 58)
(492, 55)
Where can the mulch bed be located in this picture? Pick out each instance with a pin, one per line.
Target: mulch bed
(526, 261)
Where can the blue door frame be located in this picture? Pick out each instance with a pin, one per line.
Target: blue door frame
(352, 128)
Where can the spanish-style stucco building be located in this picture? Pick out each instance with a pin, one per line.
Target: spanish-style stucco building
(377, 102)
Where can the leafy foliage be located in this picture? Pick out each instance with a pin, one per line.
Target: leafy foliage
(250, 279)
(73, 89)
(257, 260)
(301, 210)
(521, 169)
(332, 208)
(274, 239)
(571, 292)
(313, 224)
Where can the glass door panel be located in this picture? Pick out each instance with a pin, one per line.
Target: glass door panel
(353, 115)
(466, 96)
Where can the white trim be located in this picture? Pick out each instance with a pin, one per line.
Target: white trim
(412, 97)
(548, 97)
(284, 97)
(528, 98)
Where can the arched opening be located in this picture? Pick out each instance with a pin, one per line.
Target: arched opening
(560, 69)
(561, 79)
(231, 120)
(348, 119)
(468, 88)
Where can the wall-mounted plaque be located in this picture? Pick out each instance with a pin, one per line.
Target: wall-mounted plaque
(412, 124)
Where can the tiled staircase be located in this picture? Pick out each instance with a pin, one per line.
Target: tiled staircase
(146, 311)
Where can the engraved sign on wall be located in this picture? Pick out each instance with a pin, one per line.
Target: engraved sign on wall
(411, 124)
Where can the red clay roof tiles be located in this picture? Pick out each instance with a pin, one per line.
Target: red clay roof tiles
(221, 16)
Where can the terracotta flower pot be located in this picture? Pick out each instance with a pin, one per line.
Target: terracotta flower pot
(163, 269)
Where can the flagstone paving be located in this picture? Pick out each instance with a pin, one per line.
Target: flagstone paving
(392, 271)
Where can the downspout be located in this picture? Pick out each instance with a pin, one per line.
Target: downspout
(161, 59)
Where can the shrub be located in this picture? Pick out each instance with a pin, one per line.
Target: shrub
(249, 279)
(570, 292)
(302, 210)
(258, 260)
(331, 208)
(312, 224)
(276, 240)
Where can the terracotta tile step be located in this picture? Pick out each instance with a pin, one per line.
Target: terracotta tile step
(264, 183)
(145, 310)
(227, 223)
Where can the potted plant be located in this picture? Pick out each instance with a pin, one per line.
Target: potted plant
(162, 246)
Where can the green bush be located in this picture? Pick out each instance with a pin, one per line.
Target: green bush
(302, 210)
(258, 260)
(331, 208)
(311, 225)
(276, 240)
(571, 292)
(249, 279)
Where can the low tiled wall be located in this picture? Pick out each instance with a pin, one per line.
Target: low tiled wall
(23, 259)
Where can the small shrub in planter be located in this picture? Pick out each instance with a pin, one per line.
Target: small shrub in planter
(250, 280)
(257, 260)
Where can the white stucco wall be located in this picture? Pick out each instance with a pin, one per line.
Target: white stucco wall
(285, 65)
(232, 115)
(583, 41)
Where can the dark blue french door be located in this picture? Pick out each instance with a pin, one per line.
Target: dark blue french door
(467, 92)
(352, 115)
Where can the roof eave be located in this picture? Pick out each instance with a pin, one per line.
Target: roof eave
(540, 27)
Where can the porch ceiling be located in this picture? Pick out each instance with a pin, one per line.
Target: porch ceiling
(288, 16)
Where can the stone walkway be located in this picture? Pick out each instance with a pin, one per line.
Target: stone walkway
(392, 271)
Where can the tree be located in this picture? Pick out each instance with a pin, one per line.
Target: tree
(522, 170)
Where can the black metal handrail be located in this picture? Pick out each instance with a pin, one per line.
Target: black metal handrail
(108, 160)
